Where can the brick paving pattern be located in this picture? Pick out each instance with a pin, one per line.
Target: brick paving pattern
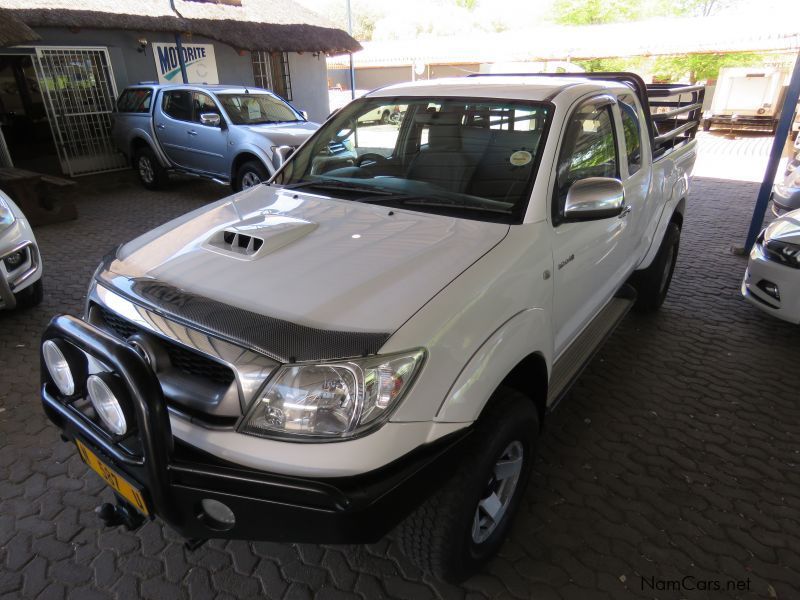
(677, 453)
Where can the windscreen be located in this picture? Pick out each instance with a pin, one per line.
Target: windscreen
(473, 157)
(257, 109)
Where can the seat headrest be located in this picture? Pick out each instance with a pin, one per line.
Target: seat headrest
(444, 131)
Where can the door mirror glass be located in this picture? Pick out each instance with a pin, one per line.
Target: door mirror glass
(210, 119)
(594, 198)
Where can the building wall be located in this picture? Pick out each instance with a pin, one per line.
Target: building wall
(375, 77)
(309, 82)
(308, 74)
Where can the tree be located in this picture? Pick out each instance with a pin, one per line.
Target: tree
(702, 67)
(594, 12)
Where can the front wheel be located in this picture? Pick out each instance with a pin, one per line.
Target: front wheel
(652, 283)
(465, 522)
(249, 174)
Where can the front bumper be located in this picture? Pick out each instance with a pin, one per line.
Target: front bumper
(14, 281)
(762, 272)
(176, 478)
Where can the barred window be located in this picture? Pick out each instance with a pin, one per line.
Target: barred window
(271, 72)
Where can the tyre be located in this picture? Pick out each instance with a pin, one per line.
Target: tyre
(249, 174)
(148, 169)
(465, 522)
(31, 296)
(653, 282)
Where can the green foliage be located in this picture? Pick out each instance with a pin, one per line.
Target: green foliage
(702, 67)
(468, 4)
(593, 12)
(627, 63)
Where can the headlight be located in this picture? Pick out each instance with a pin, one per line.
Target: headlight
(783, 252)
(106, 404)
(7, 217)
(58, 367)
(332, 400)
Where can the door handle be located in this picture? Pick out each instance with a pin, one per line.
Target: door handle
(161, 126)
(192, 132)
(625, 211)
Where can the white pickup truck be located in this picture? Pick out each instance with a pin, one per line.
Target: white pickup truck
(375, 342)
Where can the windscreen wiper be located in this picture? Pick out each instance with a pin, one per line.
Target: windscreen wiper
(427, 200)
(334, 184)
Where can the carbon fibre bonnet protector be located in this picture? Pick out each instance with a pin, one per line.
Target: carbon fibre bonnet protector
(283, 341)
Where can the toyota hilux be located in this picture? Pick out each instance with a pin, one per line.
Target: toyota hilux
(370, 343)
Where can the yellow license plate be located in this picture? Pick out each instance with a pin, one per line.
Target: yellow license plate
(120, 485)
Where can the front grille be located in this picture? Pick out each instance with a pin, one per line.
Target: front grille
(185, 360)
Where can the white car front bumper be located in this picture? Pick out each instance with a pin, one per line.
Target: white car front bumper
(18, 240)
(782, 300)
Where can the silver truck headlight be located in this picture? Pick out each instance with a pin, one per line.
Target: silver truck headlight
(332, 400)
(7, 217)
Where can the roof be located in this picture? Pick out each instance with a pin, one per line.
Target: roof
(274, 25)
(217, 88)
(532, 88)
(13, 31)
(757, 32)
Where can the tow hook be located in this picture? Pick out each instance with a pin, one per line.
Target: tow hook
(113, 515)
(194, 543)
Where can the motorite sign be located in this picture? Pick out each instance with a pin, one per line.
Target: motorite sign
(201, 64)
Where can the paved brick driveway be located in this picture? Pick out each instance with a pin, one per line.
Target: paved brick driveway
(677, 454)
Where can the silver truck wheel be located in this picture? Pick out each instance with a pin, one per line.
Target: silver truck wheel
(249, 180)
(500, 489)
(458, 528)
(146, 169)
(149, 171)
(249, 174)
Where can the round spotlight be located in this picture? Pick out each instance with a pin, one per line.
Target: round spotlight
(106, 404)
(58, 367)
(216, 515)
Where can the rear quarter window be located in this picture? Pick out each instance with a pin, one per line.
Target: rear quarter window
(135, 100)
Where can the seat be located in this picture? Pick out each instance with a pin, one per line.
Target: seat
(497, 177)
(443, 163)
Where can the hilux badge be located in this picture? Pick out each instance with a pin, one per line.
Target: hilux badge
(566, 261)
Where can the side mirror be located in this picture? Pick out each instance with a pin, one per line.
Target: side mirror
(281, 155)
(210, 119)
(594, 198)
(304, 114)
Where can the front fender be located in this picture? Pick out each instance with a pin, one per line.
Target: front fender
(259, 153)
(145, 136)
(523, 334)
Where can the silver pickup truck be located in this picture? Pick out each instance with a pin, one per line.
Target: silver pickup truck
(234, 135)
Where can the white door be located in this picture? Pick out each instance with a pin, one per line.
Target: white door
(590, 257)
(78, 88)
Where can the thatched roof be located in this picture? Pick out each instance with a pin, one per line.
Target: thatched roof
(13, 31)
(278, 25)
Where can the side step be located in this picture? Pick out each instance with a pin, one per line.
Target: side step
(574, 359)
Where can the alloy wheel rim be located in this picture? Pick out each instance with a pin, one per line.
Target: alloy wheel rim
(145, 169)
(498, 493)
(250, 179)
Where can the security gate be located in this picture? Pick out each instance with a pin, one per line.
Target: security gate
(77, 85)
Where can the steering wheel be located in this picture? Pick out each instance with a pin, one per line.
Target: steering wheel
(372, 157)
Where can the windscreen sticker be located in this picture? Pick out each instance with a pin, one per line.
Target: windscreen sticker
(520, 158)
